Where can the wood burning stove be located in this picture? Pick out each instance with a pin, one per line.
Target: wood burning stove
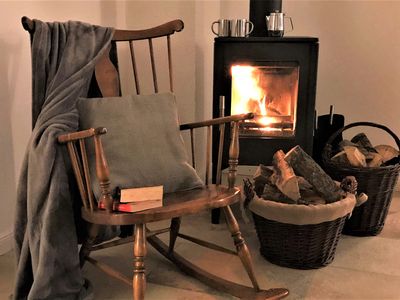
(275, 78)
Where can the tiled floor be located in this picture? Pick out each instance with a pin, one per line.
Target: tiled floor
(364, 267)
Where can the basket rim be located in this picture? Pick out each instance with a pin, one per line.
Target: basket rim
(302, 214)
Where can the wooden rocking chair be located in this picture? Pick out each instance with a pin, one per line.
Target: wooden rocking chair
(175, 205)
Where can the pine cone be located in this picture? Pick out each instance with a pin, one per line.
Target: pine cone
(248, 191)
(349, 184)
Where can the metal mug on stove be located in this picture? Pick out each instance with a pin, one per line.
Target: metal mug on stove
(241, 27)
(223, 28)
(276, 24)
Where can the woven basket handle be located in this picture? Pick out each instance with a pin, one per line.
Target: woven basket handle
(334, 135)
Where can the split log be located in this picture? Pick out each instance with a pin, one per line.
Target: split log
(369, 155)
(271, 192)
(305, 166)
(284, 177)
(376, 160)
(363, 142)
(262, 173)
(341, 158)
(387, 152)
(355, 157)
(261, 177)
(304, 185)
(345, 143)
(351, 156)
(392, 162)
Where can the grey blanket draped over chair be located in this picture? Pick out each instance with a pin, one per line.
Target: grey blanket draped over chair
(63, 59)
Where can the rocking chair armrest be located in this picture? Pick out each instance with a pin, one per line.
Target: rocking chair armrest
(165, 29)
(80, 166)
(83, 134)
(217, 121)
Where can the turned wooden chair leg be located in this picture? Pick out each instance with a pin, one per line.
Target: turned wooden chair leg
(93, 230)
(139, 254)
(241, 246)
(173, 234)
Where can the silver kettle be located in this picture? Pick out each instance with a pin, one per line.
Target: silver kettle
(276, 24)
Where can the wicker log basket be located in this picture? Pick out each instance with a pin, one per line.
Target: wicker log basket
(300, 236)
(377, 182)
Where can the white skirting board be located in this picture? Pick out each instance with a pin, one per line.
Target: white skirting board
(6, 242)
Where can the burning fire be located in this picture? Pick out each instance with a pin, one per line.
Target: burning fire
(265, 93)
(265, 121)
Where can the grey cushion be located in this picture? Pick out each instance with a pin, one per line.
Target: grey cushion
(143, 144)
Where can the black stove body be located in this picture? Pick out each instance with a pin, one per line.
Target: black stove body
(283, 74)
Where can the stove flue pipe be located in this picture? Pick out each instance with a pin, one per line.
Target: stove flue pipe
(259, 9)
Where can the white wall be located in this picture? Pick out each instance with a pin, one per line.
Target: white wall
(359, 58)
(358, 70)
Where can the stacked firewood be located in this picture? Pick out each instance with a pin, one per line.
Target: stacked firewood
(359, 152)
(295, 178)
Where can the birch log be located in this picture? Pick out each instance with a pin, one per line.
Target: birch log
(284, 177)
(362, 140)
(271, 192)
(305, 166)
(261, 177)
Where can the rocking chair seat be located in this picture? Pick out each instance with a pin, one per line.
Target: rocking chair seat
(174, 205)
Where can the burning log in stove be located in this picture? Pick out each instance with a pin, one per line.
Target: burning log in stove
(268, 106)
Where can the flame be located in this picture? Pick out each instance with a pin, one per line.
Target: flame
(245, 87)
(265, 121)
(266, 94)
